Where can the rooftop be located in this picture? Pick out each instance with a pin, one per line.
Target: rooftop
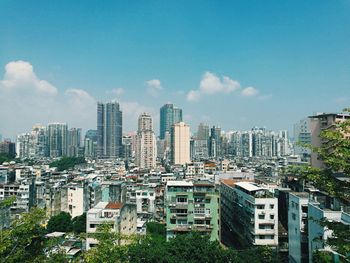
(114, 205)
(179, 183)
(249, 186)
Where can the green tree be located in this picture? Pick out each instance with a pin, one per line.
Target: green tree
(79, 224)
(108, 249)
(5, 158)
(60, 223)
(66, 163)
(156, 229)
(24, 241)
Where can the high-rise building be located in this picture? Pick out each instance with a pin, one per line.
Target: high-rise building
(203, 132)
(58, 139)
(74, 139)
(41, 140)
(25, 145)
(215, 142)
(180, 143)
(8, 148)
(146, 143)
(169, 115)
(109, 130)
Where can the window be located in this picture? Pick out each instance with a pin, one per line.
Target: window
(181, 200)
(172, 221)
(272, 206)
(272, 216)
(260, 206)
(92, 225)
(261, 216)
(294, 216)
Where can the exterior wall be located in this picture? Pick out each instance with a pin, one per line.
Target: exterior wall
(145, 201)
(180, 143)
(190, 208)
(297, 228)
(75, 200)
(126, 223)
(253, 221)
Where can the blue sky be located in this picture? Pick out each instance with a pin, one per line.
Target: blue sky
(236, 64)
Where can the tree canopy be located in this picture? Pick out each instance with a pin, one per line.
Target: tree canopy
(66, 163)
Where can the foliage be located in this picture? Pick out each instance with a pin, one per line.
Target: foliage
(156, 229)
(7, 202)
(321, 257)
(66, 163)
(192, 247)
(63, 222)
(108, 249)
(60, 223)
(23, 242)
(79, 224)
(4, 157)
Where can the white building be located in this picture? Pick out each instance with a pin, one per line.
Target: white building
(122, 216)
(145, 201)
(146, 150)
(180, 143)
(75, 200)
(297, 227)
(251, 212)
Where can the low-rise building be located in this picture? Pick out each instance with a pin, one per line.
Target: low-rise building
(123, 217)
(192, 206)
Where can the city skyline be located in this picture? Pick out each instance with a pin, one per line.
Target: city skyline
(251, 65)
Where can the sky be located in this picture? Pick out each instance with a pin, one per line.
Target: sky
(235, 64)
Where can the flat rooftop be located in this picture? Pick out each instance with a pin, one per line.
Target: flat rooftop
(249, 186)
(179, 183)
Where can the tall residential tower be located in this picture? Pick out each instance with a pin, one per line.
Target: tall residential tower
(109, 130)
(146, 143)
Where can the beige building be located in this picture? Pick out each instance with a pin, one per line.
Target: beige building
(321, 122)
(180, 143)
(146, 149)
(123, 217)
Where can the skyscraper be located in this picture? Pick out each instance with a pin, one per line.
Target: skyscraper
(74, 139)
(57, 139)
(109, 130)
(180, 143)
(146, 143)
(215, 142)
(169, 115)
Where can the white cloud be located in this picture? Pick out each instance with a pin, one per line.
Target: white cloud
(211, 84)
(20, 76)
(249, 92)
(154, 87)
(26, 99)
(118, 91)
(193, 95)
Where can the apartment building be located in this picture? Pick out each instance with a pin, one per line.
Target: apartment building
(192, 206)
(123, 217)
(298, 227)
(249, 214)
